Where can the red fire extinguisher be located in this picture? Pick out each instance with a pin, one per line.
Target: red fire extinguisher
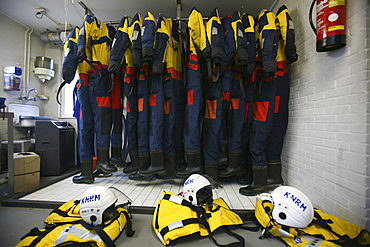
(330, 23)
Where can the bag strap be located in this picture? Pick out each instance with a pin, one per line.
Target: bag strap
(40, 235)
(102, 234)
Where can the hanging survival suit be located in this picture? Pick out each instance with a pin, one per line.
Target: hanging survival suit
(213, 105)
(156, 102)
(197, 43)
(175, 217)
(64, 226)
(324, 231)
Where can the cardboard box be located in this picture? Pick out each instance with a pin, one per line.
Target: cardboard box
(26, 171)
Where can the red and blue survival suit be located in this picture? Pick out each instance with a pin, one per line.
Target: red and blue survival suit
(286, 54)
(264, 98)
(156, 103)
(122, 51)
(225, 77)
(94, 44)
(248, 23)
(116, 95)
(236, 100)
(144, 78)
(213, 105)
(173, 90)
(70, 65)
(197, 42)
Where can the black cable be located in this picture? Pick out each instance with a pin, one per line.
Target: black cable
(310, 16)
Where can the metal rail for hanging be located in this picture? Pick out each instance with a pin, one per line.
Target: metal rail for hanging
(87, 10)
(177, 18)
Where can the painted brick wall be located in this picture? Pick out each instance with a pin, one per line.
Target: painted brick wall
(326, 150)
(12, 38)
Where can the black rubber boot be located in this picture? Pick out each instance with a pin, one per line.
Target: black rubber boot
(180, 159)
(156, 166)
(115, 159)
(274, 172)
(247, 177)
(211, 170)
(103, 161)
(194, 165)
(170, 163)
(98, 173)
(260, 174)
(144, 164)
(134, 165)
(86, 176)
(235, 167)
(222, 156)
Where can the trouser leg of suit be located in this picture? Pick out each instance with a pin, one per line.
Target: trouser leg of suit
(235, 125)
(170, 105)
(226, 82)
(247, 162)
(144, 81)
(156, 106)
(263, 113)
(130, 90)
(86, 124)
(193, 118)
(116, 132)
(211, 128)
(101, 107)
(280, 123)
(179, 125)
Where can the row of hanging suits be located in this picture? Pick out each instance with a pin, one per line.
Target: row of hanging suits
(213, 103)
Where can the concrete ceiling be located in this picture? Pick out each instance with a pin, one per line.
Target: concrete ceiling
(23, 11)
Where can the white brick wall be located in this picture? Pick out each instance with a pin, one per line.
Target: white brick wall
(326, 151)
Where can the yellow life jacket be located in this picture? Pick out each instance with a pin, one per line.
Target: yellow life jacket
(324, 231)
(64, 226)
(175, 217)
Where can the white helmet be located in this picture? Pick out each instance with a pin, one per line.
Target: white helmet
(94, 202)
(198, 190)
(291, 207)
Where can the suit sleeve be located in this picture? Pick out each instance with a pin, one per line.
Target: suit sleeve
(148, 37)
(70, 56)
(119, 46)
(286, 28)
(248, 23)
(215, 36)
(136, 40)
(229, 43)
(161, 37)
(268, 42)
(84, 39)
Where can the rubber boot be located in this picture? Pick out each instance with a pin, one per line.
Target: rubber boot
(274, 173)
(194, 166)
(211, 170)
(103, 161)
(86, 176)
(222, 156)
(115, 158)
(170, 163)
(247, 177)
(180, 159)
(156, 166)
(235, 167)
(260, 174)
(98, 173)
(134, 165)
(144, 161)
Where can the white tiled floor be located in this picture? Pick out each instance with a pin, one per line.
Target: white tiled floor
(144, 192)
